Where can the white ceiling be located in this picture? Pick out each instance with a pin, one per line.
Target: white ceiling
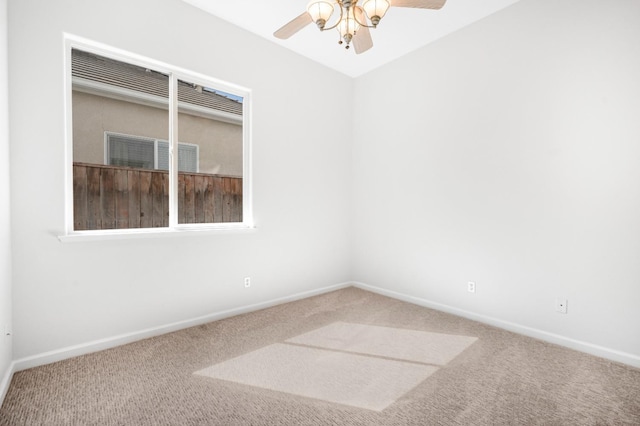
(401, 31)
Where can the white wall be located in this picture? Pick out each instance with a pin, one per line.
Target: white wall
(505, 153)
(71, 293)
(509, 154)
(5, 224)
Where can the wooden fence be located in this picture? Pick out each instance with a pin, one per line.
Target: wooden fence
(111, 197)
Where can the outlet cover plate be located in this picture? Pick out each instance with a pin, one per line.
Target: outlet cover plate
(561, 306)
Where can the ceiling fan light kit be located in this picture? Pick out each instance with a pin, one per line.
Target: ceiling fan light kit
(356, 17)
(347, 27)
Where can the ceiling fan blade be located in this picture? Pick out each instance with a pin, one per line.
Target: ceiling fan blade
(362, 39)
(419, 4)
(293, 26)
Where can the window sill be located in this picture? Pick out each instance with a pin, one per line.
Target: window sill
(146, 233)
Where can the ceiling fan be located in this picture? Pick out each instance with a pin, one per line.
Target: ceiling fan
(354, 20)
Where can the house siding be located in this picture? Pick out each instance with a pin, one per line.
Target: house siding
(220, 143)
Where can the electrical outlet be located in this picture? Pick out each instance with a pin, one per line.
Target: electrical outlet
(471, 287)
(561, 306)
(247, 281)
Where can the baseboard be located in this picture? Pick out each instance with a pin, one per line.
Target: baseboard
(111, 342)
(6, 381)
(600, 351)
(97, 345)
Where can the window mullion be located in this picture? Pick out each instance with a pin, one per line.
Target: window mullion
(156, 163)
(173, 151)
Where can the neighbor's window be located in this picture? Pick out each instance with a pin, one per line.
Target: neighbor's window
(145, 153)
(127, 120)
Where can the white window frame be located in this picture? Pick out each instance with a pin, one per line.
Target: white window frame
(155, 141)
(175, 74)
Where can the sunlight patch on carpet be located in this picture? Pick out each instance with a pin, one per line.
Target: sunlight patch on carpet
(408, 345)
(355, 380)
(363, 366)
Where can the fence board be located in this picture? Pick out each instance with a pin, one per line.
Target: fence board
(218, 189)
(189, 200)
(181, 189)
(133, 186)
(199, 187)
(208, 199)
(156, 199)
(121, 189)
(165, 199)
(94, 203)
(146, 200)
(107, 197)
(226, 200)
(236, 207)
(80, 198)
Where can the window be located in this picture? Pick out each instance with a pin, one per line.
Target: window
(127, 151)
(127, 115)
(145, 153)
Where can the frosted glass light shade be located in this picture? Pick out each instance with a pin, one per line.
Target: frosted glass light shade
(375, 9)
(348, 25)
(320, 10)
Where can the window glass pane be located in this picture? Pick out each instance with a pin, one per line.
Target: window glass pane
(120, 111)
(210, 155)
(163, 155)
(188, 157)
(129, 151)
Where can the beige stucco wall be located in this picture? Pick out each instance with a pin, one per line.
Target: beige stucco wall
(220, 143)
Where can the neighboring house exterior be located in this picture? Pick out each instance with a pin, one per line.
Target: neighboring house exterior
(112, 98)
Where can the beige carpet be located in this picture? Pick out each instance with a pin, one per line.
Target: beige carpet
(284, 366)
